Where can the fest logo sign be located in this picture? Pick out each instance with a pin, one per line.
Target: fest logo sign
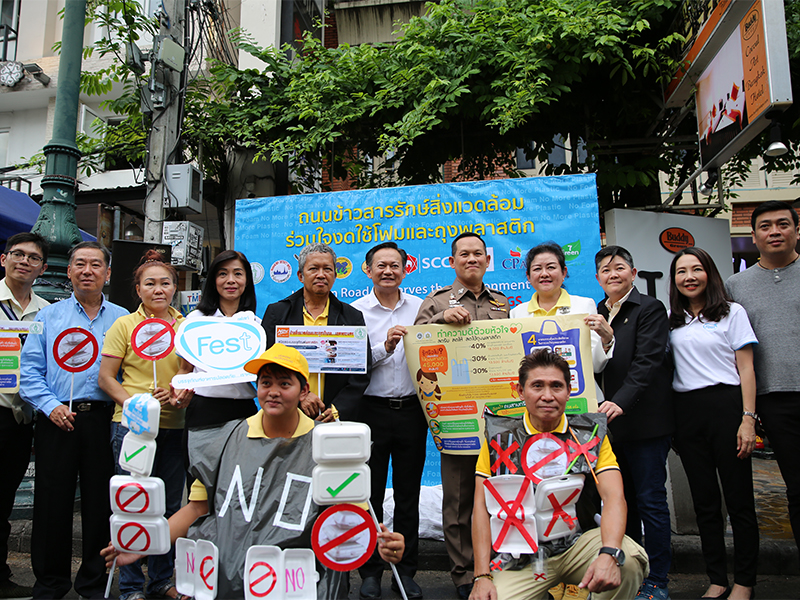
(511, 215)
(460, 371)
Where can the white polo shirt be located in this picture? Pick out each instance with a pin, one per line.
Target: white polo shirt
(704, 351)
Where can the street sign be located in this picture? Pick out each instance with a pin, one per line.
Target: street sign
(343, 537)
(75, 349)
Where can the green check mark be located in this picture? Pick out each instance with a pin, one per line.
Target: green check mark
(130, 456)
(347, 482)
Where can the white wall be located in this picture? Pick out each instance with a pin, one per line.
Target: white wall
(639, 232)
(32, 124)
(262, 20)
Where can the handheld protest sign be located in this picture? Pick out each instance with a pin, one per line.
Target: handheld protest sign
(137, 495)
(137, 454)
(75, 349)
(153, 339)
(343, 537)
(140, 535)
(206, 570)
(219, 348)
(184, 566)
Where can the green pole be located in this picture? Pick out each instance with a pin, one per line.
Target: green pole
(56, 222)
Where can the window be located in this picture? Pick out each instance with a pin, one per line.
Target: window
(9, 25)
(4, 135)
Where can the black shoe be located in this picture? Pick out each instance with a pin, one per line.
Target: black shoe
(413, 591)
(464, 591)
(9, 589)
(370, 588)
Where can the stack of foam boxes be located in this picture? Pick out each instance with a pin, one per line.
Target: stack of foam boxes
(138, 500)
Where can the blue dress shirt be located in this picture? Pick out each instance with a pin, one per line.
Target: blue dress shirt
(43, 384)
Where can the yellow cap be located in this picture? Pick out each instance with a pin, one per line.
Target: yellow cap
(280, 355)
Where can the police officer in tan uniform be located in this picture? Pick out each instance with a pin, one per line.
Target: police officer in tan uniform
(466, 300)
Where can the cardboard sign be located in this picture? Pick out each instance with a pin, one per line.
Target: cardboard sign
(328, 349)
(153, 339)
(461, 370)
(220, 347)
(343, 537)
(75, 349)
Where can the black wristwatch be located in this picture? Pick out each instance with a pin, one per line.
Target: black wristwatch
(617, 554)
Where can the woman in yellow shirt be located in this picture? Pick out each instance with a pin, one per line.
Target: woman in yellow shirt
(155, 283)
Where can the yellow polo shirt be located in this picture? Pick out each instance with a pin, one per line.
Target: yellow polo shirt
(255, 430)
(535, 310)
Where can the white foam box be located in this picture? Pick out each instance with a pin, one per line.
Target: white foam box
(301, 578)
(263, 573)
(344, 441)
(561, 488)
(509, 486)
(140, 414)
(137, 454)
(332, 484)
(140, 535)
(206, 570)
(184, 566)
(137, 496)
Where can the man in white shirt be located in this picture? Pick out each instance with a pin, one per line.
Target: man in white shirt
(393, 412)
(24, 259)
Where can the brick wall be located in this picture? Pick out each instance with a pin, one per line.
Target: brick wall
(741, 214)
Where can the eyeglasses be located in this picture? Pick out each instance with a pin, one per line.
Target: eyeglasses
(34, 260)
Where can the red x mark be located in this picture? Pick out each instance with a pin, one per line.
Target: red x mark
(574, 449)
(538, 576)
(504, 456)
(560, 513)
(530, 470)
(511, 515)
(496, 565)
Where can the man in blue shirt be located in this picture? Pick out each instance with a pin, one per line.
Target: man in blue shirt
(71, 443)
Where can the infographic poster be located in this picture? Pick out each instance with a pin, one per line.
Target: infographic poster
(461, 370)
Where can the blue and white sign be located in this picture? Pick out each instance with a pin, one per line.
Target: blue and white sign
(219, 348)
(512, 215)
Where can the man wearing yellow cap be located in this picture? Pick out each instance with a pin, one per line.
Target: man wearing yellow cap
(254, 480)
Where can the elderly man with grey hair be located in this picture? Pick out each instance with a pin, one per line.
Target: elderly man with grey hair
(315, 305)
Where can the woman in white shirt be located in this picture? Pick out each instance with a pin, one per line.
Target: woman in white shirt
(715, 400)
(546, 269)
(228, 291)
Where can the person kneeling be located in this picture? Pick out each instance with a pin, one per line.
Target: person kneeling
(602, 560)
(254, 481)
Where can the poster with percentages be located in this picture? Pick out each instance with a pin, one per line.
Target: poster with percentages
(459, 371)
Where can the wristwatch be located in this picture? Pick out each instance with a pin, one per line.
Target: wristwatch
(617, 554)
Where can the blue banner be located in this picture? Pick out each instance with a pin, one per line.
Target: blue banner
(512, 215)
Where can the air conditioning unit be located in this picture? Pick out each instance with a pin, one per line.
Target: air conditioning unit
(183, 189)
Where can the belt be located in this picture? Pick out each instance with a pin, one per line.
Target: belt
(394, 403)
(89, 405)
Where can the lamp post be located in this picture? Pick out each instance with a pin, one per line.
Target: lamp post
(56, 222)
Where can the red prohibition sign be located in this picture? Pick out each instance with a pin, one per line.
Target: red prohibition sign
(141, 344)
(322, 548)
(139, 530)
(257, 578)
(531, 470)
(131, 492)
(206, 576)
(66, 348)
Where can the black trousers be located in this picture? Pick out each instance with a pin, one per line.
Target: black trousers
(61, 457)
(705, 438)
(780, 416)
(399, 434)
(15, 450)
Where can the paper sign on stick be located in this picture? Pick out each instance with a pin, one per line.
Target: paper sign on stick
(343, 537)
(153, 339)
(75, 349)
